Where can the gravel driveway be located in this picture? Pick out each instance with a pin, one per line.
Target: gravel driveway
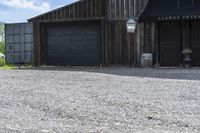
(89, 99)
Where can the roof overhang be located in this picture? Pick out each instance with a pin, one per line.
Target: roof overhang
(171, 10)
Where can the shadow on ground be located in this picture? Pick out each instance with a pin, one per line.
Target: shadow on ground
(164, 73)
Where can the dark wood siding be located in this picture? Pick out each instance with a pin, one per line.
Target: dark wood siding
(122, 47)
(195, 43)
(120, 44)
(125, 9)
(81, 10)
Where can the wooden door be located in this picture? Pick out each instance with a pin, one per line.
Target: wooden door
(170, 39)
(195, 43)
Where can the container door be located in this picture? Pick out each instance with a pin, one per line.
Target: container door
(19, 43)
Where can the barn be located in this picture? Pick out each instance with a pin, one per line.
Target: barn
(96, 33)
(87, 32)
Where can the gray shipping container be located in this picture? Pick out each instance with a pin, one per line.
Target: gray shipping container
(19, 43)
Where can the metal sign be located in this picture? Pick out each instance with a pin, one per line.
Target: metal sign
(187, 17)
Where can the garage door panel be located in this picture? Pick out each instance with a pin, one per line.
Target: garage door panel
(73, 45)
(76, 60)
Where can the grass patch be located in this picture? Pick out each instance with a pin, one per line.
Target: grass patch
(2, 62)
(12, 67)
(4, 66)
(7, 67)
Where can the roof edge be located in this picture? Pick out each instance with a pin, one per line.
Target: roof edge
(33, 18)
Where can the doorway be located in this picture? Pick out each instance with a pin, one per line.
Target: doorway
(170, 44)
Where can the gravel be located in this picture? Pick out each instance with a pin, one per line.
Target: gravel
(89, 99)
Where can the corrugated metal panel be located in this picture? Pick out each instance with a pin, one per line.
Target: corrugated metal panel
(1, 32)
(19, 43)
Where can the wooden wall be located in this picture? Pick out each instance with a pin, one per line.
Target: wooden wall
(125, 9)
(124, 48)
(36, 44)
(146, 41)
(95, 9)
(81, 10)
(119, 44)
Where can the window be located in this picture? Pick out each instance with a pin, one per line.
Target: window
(185, 3)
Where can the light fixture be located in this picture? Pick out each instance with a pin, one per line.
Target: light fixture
(131, 26)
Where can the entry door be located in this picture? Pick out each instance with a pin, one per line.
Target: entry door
(170, 44)
(195, 43)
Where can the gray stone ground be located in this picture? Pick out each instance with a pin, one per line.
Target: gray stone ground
(78, 99)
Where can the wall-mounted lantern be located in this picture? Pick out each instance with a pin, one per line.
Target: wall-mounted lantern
(131, 26)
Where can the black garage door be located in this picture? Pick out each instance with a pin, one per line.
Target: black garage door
(73, 45)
